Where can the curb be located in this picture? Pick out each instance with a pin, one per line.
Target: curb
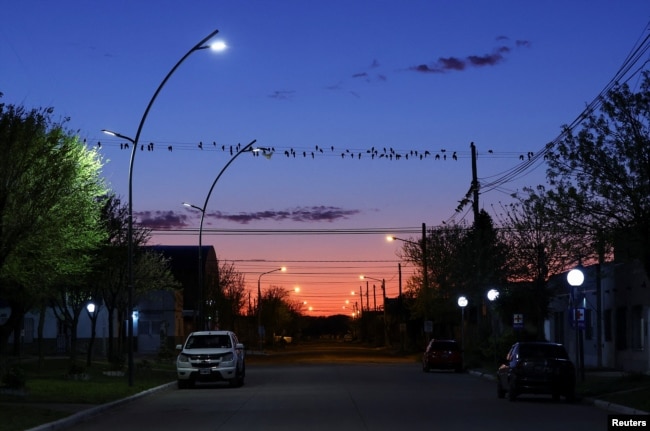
(85, 414)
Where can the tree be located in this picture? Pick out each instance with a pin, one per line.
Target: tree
(601, 174)
(227, 303)
(150, 270)
(49, 184)
(278, 312)
(538, 247)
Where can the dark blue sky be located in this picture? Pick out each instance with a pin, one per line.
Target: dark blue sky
(327, 85)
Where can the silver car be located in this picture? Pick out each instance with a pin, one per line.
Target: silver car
(210, 356)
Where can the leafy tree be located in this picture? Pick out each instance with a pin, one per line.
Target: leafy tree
(539, 246)
(110, 277)
(278, 311)
(228, 300)
(601, 174)
(49, 184)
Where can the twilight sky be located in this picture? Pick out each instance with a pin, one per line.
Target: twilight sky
(370, 108)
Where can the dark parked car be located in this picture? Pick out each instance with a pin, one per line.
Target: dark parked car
(443, 355)
(536, 367)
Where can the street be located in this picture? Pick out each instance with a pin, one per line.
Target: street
(346, 397)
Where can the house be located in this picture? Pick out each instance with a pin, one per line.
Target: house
(157, 315)
(610, 327)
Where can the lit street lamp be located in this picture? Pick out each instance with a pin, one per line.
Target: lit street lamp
(383, 291)
(492, 296)
(425, 270)
(575, 278)
(462, 303)
(199, 317)
(134, 145)
(260, 329)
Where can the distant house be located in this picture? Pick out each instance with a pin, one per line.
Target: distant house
(158, 315)
(611, 323)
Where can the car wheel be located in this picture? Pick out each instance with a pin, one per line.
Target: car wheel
(512, 391)
(501, 393)
(425, 367)
(184, 384)
(238, 380)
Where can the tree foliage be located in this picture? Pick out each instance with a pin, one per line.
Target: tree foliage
(601, 174)
(49, 208)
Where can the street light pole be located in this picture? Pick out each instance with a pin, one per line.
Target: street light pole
(199, 46)
(259, 302)
(425, 269)
(200, 321)
(575, 278)
(492, 296)
(383, 290)
(462, 303)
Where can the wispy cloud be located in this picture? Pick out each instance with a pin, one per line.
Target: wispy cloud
(282, 94)
(457, 64)
(300, 214)
(161, 220)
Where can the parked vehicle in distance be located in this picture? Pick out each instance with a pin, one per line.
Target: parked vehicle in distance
(536, 367)
(210, 356)
(442, 355)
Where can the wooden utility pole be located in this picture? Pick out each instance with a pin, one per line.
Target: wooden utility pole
(475, 185)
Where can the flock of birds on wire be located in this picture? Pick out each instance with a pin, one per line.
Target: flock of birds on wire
(372, 153)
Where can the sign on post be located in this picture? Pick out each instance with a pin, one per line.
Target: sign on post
(517, 321)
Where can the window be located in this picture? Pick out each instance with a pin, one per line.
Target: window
(589, 327)
(558, 326)
(607, 324)
(637, 331)
(621, 328)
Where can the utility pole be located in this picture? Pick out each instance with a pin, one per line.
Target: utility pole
(475, 185)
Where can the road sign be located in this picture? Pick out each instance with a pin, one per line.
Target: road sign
(517, 321)
(579, 317)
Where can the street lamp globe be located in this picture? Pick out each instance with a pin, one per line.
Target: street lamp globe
(462, 302)
(492, 294)
(575, 277)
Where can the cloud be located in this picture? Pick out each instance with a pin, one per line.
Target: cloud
(457, 64)
(300, 214)
(282, 94)
(161, 219)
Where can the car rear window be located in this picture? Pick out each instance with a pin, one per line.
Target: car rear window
(542, 351)
(443, 345)
(208, 342)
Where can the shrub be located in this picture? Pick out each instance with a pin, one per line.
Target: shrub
(15, 378)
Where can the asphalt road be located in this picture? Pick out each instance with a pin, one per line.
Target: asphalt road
(339, 397)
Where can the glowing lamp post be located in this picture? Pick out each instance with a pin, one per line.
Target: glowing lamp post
(217, 46)
(260, 328)
(462, 303)
(383, 290)
(492, 296)
(575, 278)
(199, 315)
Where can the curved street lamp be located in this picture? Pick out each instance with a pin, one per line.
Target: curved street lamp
(425, 270)
(259, 302)
(383, 290)
(200, 320)
(134, 142)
